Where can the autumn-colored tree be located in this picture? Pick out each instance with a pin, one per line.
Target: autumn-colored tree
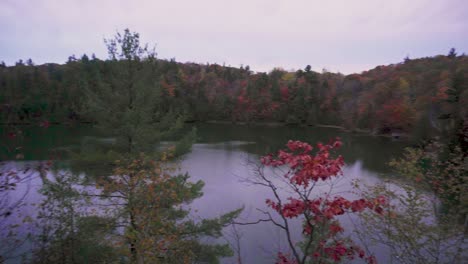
(386, 99)
(299, 170)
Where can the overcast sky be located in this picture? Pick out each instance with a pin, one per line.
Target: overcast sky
(346, 36)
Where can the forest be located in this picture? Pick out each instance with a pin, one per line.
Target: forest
(417, 97)
(125, 199)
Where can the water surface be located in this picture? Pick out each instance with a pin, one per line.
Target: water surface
(221, 159)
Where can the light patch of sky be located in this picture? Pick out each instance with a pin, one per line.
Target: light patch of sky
(340, 35)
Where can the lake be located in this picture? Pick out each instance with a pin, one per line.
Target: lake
(221, 158)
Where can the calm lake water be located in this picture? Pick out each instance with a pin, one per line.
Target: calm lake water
(220, 158)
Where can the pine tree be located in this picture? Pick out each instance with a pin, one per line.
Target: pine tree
(126, 102)
(148, 192)
(452, 53)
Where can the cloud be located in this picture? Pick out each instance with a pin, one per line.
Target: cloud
(341, 35)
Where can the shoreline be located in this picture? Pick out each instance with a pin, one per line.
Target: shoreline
(393, 135)
(367, 132)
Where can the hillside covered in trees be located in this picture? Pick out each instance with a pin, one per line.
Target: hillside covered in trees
(420, 97)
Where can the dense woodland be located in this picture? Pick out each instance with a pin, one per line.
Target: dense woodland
(419, 97)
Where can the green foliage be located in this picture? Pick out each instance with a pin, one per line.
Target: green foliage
(426, 221)
(157, 227)
(413, 229)
(440, 171)
(125, 103)
(146, 199)
(85, 245)
(68, 234)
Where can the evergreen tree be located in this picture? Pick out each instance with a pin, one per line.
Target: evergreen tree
(148, 192)
(407, 59)
(452, 53)
(29, 62)
(84, 58)
(71, 58)
(126, 102)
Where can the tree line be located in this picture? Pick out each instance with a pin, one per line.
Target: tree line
(421, 97)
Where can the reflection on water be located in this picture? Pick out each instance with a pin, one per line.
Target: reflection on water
(220, 158)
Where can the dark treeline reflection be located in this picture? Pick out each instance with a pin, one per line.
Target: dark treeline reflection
(375, 152)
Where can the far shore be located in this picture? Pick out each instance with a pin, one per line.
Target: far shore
(225, 122)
